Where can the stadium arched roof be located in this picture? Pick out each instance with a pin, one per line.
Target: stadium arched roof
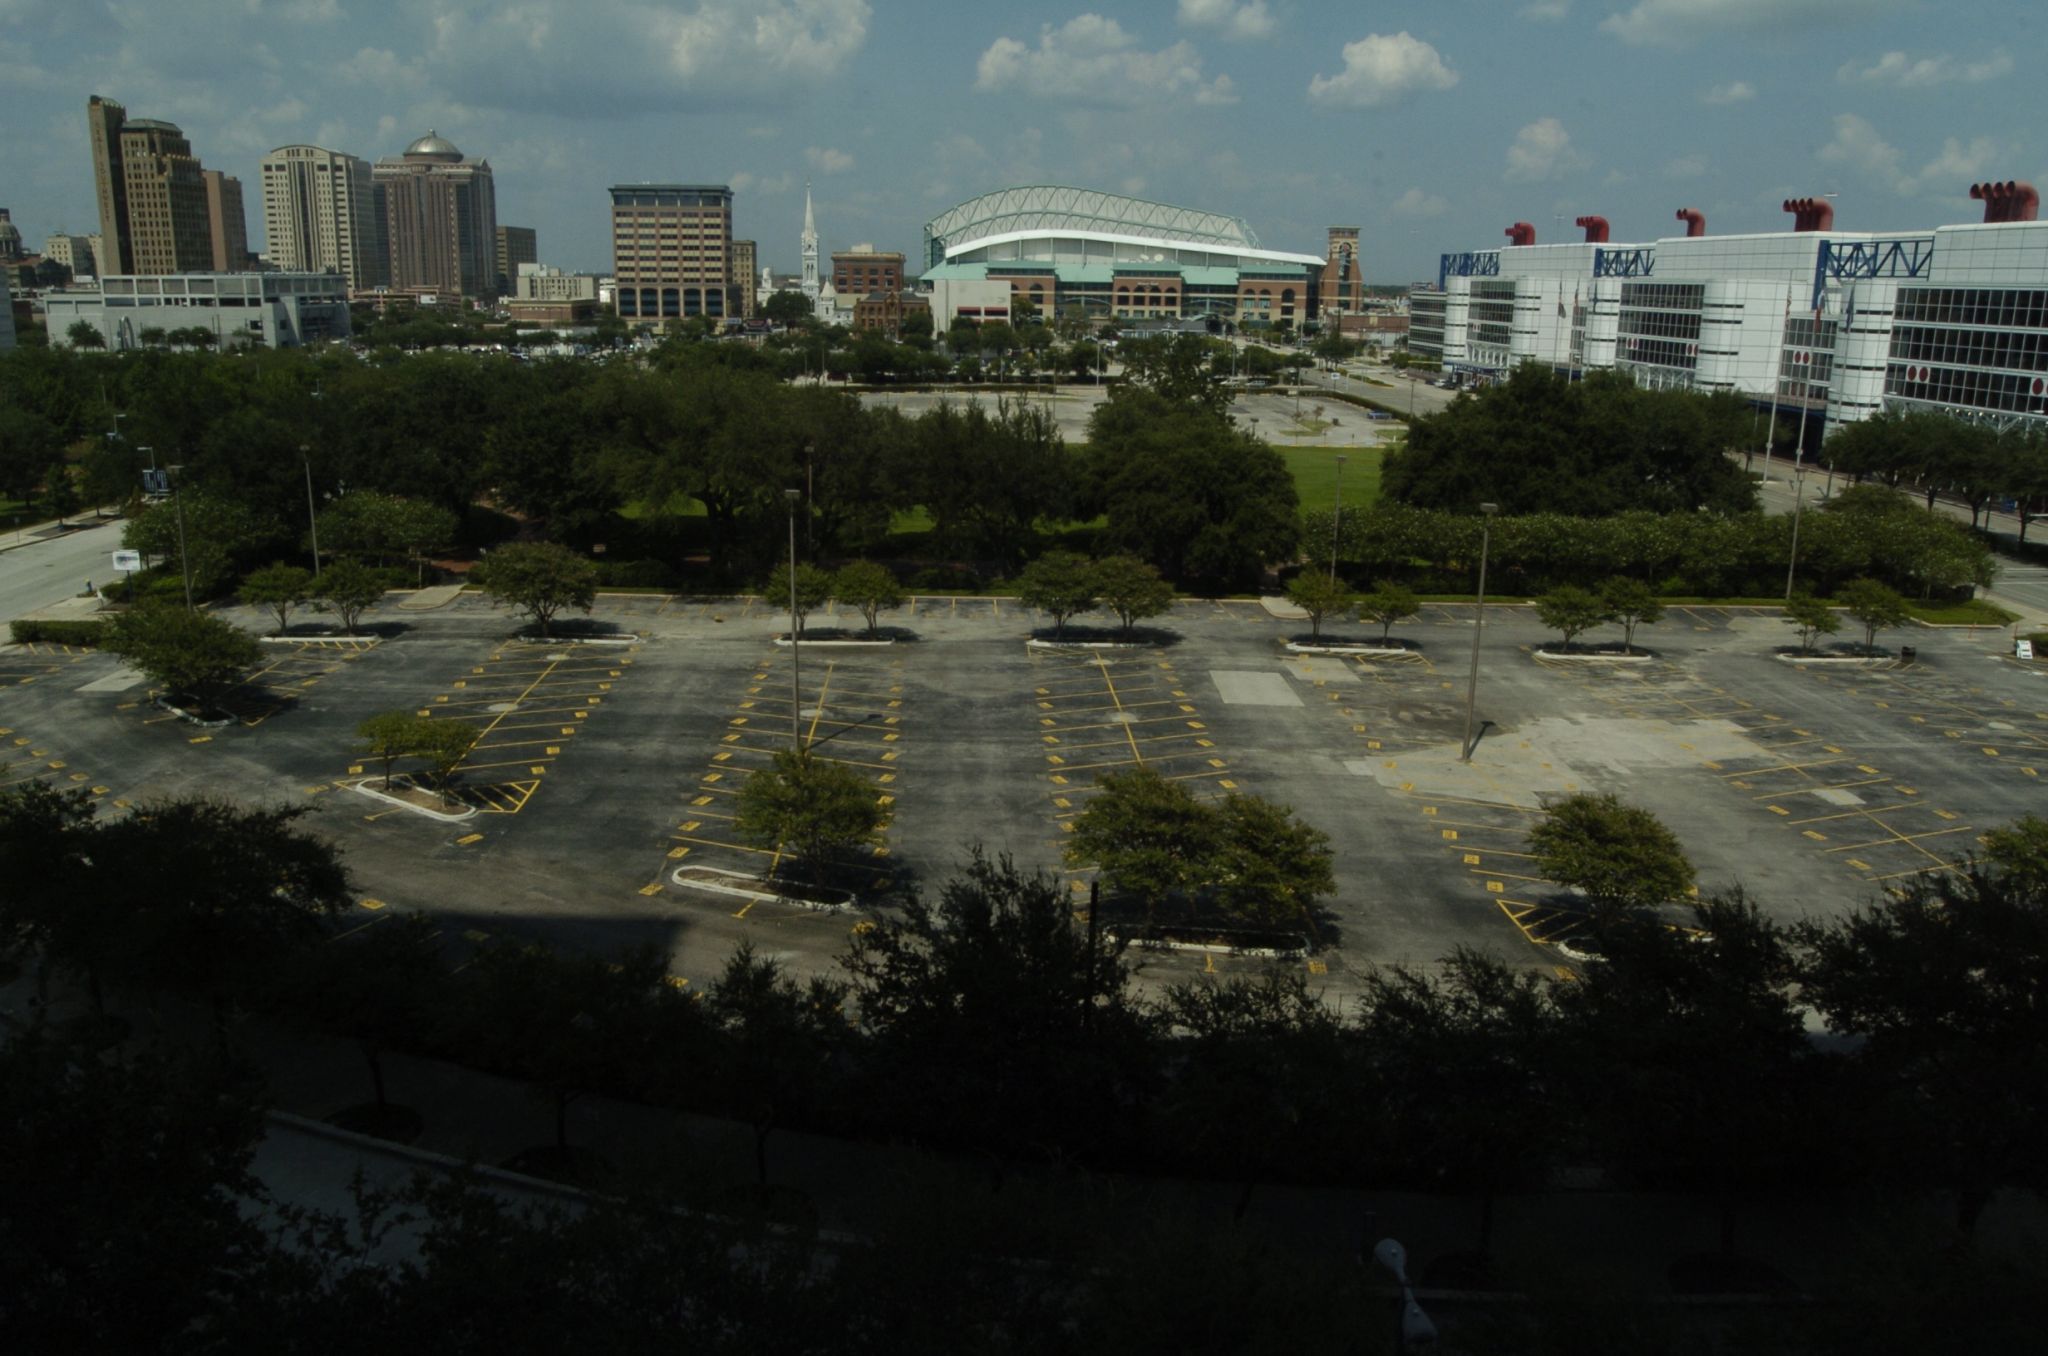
(1049, 209)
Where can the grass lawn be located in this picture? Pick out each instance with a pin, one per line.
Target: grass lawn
(1973, 612)
(1315, 476)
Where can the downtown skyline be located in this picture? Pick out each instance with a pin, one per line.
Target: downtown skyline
(1431, 126)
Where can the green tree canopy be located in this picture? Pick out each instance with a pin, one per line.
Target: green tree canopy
(539, 579)
(279, 587)
(868, 588)
(1540, 443)
(1132, 590)
(1620, 855)
(1872, 604)
(1321, 596)
(1812, 617)
(1572, 611)
(193, 655)
(1186, 490)
(1386, 604)
(1060, 584)
(1632, 603)
(814, 809)
(813, 590)
(350, 588)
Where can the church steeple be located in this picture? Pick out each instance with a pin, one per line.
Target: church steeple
(810, 246)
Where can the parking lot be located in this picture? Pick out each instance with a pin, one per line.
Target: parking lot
(606, 770)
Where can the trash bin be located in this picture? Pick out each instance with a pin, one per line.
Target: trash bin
(1907, 654)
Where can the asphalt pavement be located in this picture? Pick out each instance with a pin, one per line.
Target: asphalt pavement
(49, 566)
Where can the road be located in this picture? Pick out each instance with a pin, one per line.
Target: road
(40, 573)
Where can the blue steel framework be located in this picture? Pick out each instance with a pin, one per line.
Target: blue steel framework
(1849, 260)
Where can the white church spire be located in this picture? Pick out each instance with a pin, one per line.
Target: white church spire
(810, 245)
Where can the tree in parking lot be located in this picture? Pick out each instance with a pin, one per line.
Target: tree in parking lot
(1386, 604)
(868, 588)
(443, 744)
(1621, 856)
(1572, 611)
(1320, 595)
(349, 586)
(387, 736)
(540, 578)
(1632, 603)
(1132, 590)
(279, 587)
(189, 654)
(813, 590)
(1059, 583)
(1812, 617)
(811, 808)
(1871, 603)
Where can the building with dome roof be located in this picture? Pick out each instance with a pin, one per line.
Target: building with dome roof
(440, 219)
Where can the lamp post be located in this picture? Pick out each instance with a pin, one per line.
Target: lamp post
(1413, 1327)
(184, 557)
(796, 663)
(1798, 503)
(312, 519)
(1478, 625)
(1337, 519)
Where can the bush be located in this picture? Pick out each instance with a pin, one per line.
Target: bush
(637, 574)
(946, 579)
(30, 629)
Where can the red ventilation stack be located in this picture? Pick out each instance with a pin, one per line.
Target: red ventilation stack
(1694, 219)
(2008, 201)
(1595, 228)
(1811, 214)
(1521, 233)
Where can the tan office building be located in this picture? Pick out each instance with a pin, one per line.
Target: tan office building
(322, 214)
(672, 250)
(152, 194)
(864, 269)
(227, 229)
(441, 219)
(741, 263)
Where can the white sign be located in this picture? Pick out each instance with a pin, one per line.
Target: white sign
(128, 562)
(2023, 649)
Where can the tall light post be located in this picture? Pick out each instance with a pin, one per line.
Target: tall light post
(1798, 502)
(312, 519)
(796, 663)
(178, 507)
(1337, 519)
(1478, 625)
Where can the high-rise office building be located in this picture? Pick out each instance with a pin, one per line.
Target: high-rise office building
(322, 214)
(440, 218)
(740, 267)
(152, 194)
(75, 252)
(672, 250)
(516, 245)
(227, 229)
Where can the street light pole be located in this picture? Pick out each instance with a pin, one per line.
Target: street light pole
(1478, 625)
(1337, 520)
(312, 519)
(184, 557)
(796, 663)
(1798, 503)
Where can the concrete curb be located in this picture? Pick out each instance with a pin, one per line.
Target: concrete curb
(693, 882)
(1582, 657)
(1356, 651)
(363, 788)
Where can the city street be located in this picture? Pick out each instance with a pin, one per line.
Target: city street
(41, 572)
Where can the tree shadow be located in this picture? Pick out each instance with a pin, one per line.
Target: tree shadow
(1104, 637)
(575, 628)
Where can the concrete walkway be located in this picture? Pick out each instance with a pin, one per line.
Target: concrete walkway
(429, 599)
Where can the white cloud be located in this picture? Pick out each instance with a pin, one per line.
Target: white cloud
(1734, 92)
(1899, 71)
(1857, 145)
(652, 54)
(1417, 203)
(1962, 164)
(1380, 69)
(1546, 11)
(1249, 19)
(1685, 167)
(1675, 23)
(827, 160)
(1092, 60)
(1542, 150)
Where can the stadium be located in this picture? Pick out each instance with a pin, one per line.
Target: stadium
(1075, 251)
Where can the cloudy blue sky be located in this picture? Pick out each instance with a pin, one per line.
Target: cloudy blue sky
(1432, 124)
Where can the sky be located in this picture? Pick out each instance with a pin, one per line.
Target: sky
(1430, 124)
